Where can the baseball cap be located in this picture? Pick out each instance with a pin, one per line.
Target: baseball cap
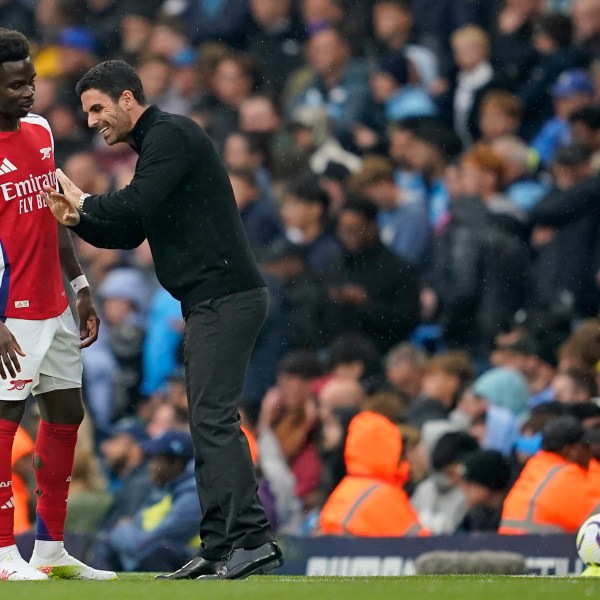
(132, 427)
(77, 37)
(562, 431)
(173, 443)
(127, 283)
(576, 81)
(487, 468)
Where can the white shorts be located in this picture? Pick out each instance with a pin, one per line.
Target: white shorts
(52, 358)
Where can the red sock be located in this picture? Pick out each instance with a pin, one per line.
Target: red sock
(52, 464)
(7, 510)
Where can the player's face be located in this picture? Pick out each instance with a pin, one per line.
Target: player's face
(16, 88)
(108, 117)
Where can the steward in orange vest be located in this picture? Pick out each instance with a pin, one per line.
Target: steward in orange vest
(370, 500)
(555, 492)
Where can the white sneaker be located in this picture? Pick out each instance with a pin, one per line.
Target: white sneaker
(61, 565)
(14, 568)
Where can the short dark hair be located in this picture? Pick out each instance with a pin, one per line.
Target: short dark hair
(365, 208)
(112, 77)
(13, 45)
(306, 188)
(301, 363)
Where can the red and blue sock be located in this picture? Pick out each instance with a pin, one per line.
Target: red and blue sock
(52, 464)
(8, 429)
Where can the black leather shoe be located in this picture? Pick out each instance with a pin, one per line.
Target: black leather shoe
(256, 561)
(197, 568)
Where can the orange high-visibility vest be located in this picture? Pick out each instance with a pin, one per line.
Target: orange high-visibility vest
(551, 495)
(370, 501)
(22, 446)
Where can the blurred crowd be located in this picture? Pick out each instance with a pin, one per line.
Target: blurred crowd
(419, 182)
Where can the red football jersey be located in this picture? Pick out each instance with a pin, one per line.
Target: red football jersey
(31, 285)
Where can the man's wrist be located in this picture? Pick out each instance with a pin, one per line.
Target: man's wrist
(79, 283)
(82, 201)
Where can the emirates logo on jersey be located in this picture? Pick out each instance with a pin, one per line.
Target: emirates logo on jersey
(19, 384)
(27, 187)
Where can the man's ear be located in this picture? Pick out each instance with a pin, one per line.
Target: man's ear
(127, 100)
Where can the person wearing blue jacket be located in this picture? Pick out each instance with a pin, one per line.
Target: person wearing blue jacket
(162, 534)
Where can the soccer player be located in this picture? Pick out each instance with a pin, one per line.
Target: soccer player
(39, 342)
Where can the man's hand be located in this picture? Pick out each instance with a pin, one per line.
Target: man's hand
(89, 323)
(9, 348)
(64, 206)
(63, 212)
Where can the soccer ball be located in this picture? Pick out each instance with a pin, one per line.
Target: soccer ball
(588, 542)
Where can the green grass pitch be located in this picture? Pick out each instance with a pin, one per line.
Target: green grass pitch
(451, 587)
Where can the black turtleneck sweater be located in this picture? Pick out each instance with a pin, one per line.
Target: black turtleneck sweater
(180, 199)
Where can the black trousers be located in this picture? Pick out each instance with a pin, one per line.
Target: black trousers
(219, 336)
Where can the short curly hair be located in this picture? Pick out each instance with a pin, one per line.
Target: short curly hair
(13, 45)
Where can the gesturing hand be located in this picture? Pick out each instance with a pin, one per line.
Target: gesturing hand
(61, 209)
(64, 206)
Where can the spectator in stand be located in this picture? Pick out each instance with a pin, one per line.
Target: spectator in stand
(537, 502)
(156, 73)
(485, 288)
(572, 91)
(113, 369)
(586, 26)
(302, 294)
(160, 535)
(432, 147)
(403, 224)
(340, 83)
(439, 501)
(370, 500)
(304, 213)
(392, 25)
(566, 262)
(371, 290)
(404, 369)
(485, 481)
(396, 97)
(234, 79)
(513, 54)
(585, 131)
(315, 144)
(353, 356)
(521, 184)
(288, 420)
(574, 386)
(275, 41)
(205, 20)
(260, 221)
(552, 36)
(500, 114)
(504, 387)
(471, 52)
(444, 378)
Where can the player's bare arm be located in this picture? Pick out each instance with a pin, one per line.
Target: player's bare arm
(89, 322)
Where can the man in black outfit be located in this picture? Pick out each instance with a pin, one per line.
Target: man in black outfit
(180, 199)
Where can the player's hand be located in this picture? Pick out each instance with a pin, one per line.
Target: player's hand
(89, 323)
(63, 212)
(9, 348)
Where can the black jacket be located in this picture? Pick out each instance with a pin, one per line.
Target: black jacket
(180, 199)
